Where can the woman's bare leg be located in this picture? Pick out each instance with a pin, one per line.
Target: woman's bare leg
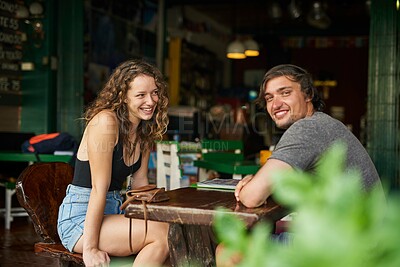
(156, 245)
(114, 239)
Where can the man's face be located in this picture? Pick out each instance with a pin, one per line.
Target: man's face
(286, 103)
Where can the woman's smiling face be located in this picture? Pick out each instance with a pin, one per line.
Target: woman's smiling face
(285, 102)
(142, 98)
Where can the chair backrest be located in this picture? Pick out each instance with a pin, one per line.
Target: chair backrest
(169, 172)
(229, 150)
(40, 189)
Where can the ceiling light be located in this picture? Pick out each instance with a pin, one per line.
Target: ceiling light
(294, 10)
(235, 50)
(36, 9)
(368, 6)
(22, 12)
(317, 16)
(275, 11)
(251, 48)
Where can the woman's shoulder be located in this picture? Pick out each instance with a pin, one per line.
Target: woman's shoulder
(104, 117)
(103, 124)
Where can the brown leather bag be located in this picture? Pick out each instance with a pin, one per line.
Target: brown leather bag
(146, 194)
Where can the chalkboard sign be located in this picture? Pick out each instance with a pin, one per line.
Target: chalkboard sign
(10, 47)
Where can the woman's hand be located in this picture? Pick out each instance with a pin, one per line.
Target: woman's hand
(96, 257)
(241, 184)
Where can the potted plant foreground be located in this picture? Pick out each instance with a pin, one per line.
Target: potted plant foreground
(337, 224)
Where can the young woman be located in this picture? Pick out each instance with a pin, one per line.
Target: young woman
(121, 125)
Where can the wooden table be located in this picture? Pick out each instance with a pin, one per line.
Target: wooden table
(190, 212)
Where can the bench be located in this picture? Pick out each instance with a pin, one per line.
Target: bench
(12, 162)
(14, 157)
(9, 171)
(40, 189)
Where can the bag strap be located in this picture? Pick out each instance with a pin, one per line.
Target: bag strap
(144, 217)
(145, 227)
(142, 189)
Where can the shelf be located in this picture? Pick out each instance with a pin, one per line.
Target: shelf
(198, 76)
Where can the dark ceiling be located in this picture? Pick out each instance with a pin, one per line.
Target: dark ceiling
(348, 17)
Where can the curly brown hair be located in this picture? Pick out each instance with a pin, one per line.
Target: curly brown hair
(112, 97)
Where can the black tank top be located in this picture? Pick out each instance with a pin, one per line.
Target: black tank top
(119, 172)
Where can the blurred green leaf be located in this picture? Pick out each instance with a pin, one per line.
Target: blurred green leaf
(232, 231)
(337, 222)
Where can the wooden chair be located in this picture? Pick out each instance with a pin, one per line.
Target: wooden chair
(175, 163)
(169, 173)
(40, 188)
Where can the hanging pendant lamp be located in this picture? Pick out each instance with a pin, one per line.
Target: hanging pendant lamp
(317, 16)
(251, 48)
(236, 50)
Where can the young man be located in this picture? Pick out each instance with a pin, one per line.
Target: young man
(288, 94)
(293, 103)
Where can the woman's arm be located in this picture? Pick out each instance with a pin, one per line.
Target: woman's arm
(101, 137)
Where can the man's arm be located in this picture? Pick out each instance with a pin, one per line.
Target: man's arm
(253, 191)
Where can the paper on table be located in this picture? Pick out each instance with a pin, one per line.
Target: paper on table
(219, 183)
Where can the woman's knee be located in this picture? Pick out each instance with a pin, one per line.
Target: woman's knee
(158, 232)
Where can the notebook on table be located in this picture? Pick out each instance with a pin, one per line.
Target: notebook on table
(218, 183)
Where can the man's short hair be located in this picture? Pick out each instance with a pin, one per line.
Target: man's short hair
(295, 74)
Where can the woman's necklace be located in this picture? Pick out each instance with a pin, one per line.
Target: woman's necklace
(129, 179)
(130, 175)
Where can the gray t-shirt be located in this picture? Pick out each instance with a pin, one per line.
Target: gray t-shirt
(303, 143)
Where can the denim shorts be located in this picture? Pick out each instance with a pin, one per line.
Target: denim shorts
(72, 213)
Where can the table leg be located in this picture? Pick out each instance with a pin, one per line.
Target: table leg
(191, 245)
